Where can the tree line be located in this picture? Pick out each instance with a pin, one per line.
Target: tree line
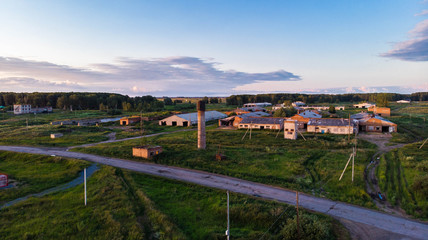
(324, 98)
(83, 101)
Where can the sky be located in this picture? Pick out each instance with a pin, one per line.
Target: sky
(214, 48)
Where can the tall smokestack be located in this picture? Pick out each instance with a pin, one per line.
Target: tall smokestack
(201, 125)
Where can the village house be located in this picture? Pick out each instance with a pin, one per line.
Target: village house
(188, 119)
(129, 120)
(261, 123)
(331, 125)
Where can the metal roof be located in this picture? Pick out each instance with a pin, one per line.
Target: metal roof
(254, 114)
(310, 114)
(329, 122)
(209, 115)
(262, 120)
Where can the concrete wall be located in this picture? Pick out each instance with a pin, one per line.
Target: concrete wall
(178, 121)
(331, 129)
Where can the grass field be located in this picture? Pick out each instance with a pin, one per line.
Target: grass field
(403, 175)
(128, 205)
(312, 166)
(35, 173)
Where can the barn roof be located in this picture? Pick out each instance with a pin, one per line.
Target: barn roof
(209, 115)
(329, 122)
(262, 120)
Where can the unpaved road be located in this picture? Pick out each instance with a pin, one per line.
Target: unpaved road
(389, 226)
(111, 140)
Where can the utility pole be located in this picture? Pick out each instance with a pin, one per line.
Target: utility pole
(349, 128)
(297, 218)
(84, 179)
(251, 128)
(27, 124)
(228, 218)
(353, 157)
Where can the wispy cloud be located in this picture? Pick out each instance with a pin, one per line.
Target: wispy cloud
(414, 49)
(424, 12)
(162, 76)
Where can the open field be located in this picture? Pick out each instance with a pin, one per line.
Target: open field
(403, 176)
(313, 166)
(128, 205)
(34, 173)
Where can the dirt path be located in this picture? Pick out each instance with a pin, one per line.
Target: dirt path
(395, 227)
(372, 185)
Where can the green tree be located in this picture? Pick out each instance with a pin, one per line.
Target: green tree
(332, 109)
(167, 101)
(311, 228)
(382, 100)
(280, 113)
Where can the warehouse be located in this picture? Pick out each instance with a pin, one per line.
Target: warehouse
(261, 123)
(331, 125)
(188, 119)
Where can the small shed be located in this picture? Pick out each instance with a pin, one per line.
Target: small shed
(4, 180)
(290, 129)
(129, 120)
(146, 151)
(56, 135)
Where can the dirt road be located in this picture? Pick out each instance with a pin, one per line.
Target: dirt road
(393, 227)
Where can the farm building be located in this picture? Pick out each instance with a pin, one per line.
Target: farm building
(21, 108)
(404, 101)
(235, 120)
(331, 125)
(376, 124)
(310, 114)
(253, 109)
(382, 111)
(238, 111)
(364, 105)
(264, 104)
(325, 108)
(41, 110)
(261, 123)
(290, 129)
(146, 151)
(188, 119)
(129, 120)
(56, 135)
(298, 104)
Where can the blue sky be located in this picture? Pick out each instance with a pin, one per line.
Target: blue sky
(197, 48)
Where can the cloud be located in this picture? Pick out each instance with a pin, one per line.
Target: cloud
(415, 49)
(423, 13)
(161, 76)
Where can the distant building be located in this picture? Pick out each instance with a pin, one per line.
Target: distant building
(261, 123)
(264, 104)
(364, 105)
(235, 120)
(129, 120)
(254, 109)
(404, 101)
(298, 104)
(290, 129)
(331, 125)
(21, 108)
(188, 119)
(26, 108)
(56, 135)
(382, 111)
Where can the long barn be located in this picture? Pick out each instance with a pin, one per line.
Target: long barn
(188, 119)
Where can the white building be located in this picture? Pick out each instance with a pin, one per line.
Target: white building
(188, 119)
(404, 101)
(290, 129)
(364, 105)
(21, 108)
(264, 104)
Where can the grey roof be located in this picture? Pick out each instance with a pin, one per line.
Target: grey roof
(262, 120)
(361, 115)
(254, 114)
(253, 109)
(329, 122)
(209, 115)
(310, 114)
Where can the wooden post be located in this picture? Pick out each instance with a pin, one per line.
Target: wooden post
(353, 157)
(345, 167)
(228, 218)
(297, 216)
(84, 179)
(349, 128)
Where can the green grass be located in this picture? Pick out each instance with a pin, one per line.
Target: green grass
(313, 166)
(403, 175)
(200, 212)
(35, 173)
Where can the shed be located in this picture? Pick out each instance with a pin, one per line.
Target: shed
(56, 135)
(376, 124)
(129, 120)
(146, 151)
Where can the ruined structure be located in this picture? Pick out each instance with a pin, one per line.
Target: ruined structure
(201, 125)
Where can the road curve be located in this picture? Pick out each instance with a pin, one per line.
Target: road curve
(402, 226)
